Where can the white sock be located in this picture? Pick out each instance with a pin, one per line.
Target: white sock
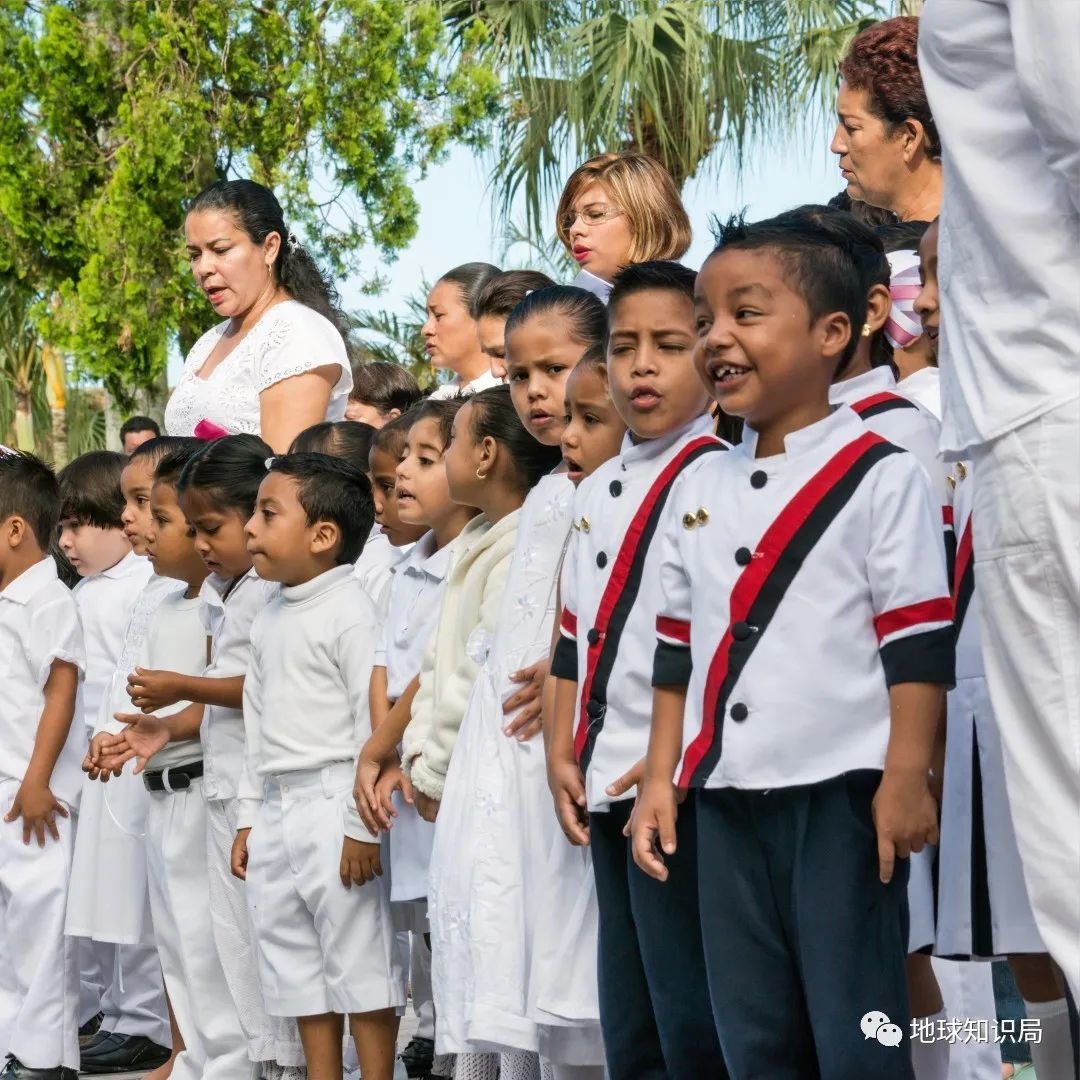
(1053, 1055)
(930, 1060)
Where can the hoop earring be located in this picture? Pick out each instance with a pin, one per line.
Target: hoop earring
(480, 475)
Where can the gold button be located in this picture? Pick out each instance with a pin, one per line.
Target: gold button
(702, 515)
(689, 520)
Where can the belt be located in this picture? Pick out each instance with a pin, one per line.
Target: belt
(177, 778)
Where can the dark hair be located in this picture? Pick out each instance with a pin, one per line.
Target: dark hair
(153, 450)
(139, 423)
(494, 416)
(441, 410)
(470, 278)
(595, 356)
(902, 236)
(821, 264)
(90, 489)
(331, 489)
(392, 438)
(170, 467)
(346, 439)
(384, 386)
(659, 275)
(883, 60)
(505, 291)
(862, 211)
(30, 490)
(584, 315)
(229, 472)
(259, 214)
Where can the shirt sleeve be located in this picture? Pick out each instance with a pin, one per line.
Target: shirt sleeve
(564, 659)
(295, 343)
(250, 789)
(671, 661)
(908, 578)
(56, 634)
(354, 650)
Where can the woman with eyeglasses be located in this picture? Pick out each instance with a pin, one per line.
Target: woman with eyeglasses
(618, 209)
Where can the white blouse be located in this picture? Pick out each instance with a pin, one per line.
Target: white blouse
(290, 339)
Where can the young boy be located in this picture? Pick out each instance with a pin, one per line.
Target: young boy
(166, 744)
(651, 971)
(41, 664)
(808, 640)
(492, 306)
(134, 1028)
(326, 949)
(380, 392)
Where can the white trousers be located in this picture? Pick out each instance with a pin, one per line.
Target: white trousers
(39, 974)
(1026, 532)
(268, 1038)
(177, 871)
(968, 990)
(134, 999)
(420, 984)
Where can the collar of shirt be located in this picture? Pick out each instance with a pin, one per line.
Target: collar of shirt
(634, 454)
(424, 561)
(21, 591)
(875, 381)
(129, 564)
(841, 426)
(600, 288)
(325, 582)
(216, 589)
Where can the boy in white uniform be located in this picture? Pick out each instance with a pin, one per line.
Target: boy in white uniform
(41, 663)
(807, 639)
(321, 912)
(134, 1029)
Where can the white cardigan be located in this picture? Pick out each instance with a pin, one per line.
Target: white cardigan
(452, 660)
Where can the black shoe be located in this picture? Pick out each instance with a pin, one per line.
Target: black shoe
(14, 1068)
(88, 1042)
(124, 1053)
(418, 1056)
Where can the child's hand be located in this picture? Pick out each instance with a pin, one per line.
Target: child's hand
(652, 826)
(145, 736)
(905, 817)
(528, 700)
(629, 779)
(568, 790)
(368, 770)
(360, 862)
(38, 807)
(238, 857)
(153, 690)
(426, 807)
(392, 779)
(108, 753)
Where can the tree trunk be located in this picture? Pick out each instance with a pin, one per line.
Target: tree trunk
(112, 424)
(24, 420)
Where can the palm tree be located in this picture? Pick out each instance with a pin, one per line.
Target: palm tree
(678, 79)
(21, 362)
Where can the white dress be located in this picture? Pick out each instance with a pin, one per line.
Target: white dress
(496, 824)
(288, 340)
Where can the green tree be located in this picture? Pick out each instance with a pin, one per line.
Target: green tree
(113, 112)
(24, 407)
(687, 81)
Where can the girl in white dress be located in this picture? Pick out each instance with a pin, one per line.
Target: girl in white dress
(495, 829)
(279, 362)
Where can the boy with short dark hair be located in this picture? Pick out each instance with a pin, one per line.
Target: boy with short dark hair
(326, 949)
(41, 664)
(380, 392)
(651, 970)
(137, 430)
(804, 644)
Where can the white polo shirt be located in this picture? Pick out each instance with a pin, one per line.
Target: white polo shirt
(377, 562)
(306, 691)
(923, 386)
(227, 614)
(796, 590)
(606, 637)
(413, 612)
(39, 624)
(105, 602)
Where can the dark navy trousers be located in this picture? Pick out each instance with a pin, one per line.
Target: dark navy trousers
(654, 998)
(801, 939)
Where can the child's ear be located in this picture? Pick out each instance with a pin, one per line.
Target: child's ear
(834, 333)
(878, 307)
(13, 531)
(325, 536)
(489, 454)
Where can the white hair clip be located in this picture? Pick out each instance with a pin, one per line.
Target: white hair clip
(269, 462)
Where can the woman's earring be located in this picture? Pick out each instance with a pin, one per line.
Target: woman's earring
(480, 475)
(866, 331)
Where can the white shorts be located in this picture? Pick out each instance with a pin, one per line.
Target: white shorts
(322, 948)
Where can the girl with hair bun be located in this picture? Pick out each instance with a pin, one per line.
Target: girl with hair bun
(279, 362)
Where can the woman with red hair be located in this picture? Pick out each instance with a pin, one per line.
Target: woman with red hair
(888, 146)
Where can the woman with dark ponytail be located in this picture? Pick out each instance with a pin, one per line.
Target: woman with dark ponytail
(279, 363)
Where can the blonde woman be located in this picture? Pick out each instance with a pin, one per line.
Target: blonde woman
(618, 209)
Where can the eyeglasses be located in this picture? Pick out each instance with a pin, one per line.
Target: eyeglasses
(591, 215)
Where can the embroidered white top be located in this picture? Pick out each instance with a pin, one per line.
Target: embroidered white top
(105, 602)
(290, 339)
(227, 614)
(796, 591)
(609, 609)
(39, 624)
(306, 691)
